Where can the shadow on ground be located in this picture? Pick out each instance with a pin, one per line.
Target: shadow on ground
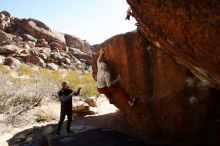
(110, 129)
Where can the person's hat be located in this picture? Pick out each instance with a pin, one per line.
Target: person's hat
(64, 83)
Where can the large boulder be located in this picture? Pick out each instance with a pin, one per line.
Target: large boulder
(74, 42)
(55, 46)
(12, 62)
(41, 43)
(56, 56)
(172, 104)
(8, 49)
(43, 50)
(27, 37)
(4, 36)
(5, 20)
(80, 55)
(186, 30)
(39, 30)
(35, 60)
(7, 14)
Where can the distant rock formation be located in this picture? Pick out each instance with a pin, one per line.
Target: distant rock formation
(171, 64)
(30, 41)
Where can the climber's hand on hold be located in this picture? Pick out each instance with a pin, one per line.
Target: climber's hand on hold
(102, 51)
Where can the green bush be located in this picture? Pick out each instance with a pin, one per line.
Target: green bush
(74, 78)
(85, 81)
(88, 84)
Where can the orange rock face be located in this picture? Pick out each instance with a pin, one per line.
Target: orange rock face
(187, 30)
(172, 105)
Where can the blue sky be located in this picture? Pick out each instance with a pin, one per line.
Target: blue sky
(92, 20)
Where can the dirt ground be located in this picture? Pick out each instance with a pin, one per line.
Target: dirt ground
(27, 129)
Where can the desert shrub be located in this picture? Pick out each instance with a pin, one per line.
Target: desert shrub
(34, 84)
(88, 84)
(73, 78)
(51, 75)
(82, 80)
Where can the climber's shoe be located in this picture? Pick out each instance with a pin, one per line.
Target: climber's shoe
(132, 101)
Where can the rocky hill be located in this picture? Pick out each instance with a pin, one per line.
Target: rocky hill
(171, 64)
(30, 41)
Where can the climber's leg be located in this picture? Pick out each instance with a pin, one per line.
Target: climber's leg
(108, 91)
(122, 94)
(104, 91)
(114, 90)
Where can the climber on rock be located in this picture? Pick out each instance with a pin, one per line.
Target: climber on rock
(65, 96)
(129, 13)
(104, 83)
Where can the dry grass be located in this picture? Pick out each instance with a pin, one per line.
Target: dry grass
(27, 85)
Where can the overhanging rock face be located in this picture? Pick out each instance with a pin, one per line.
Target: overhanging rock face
(188, 30)
(172, 103)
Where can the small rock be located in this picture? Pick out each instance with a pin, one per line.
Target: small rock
(4, 36)
(2, 59)
(91, 102)
(7, 14)
(55, 46)
(67, 61)
(52, 66)
(20, 137)
(29, 139)
(17, 38)
(41, 43)
(27, 37)
(43, 56)
(48, 130)
(12, 62)
(35, 60)
(26, 46)
(56, 56)
(83, 108)
(31, 44)
(24, 51)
